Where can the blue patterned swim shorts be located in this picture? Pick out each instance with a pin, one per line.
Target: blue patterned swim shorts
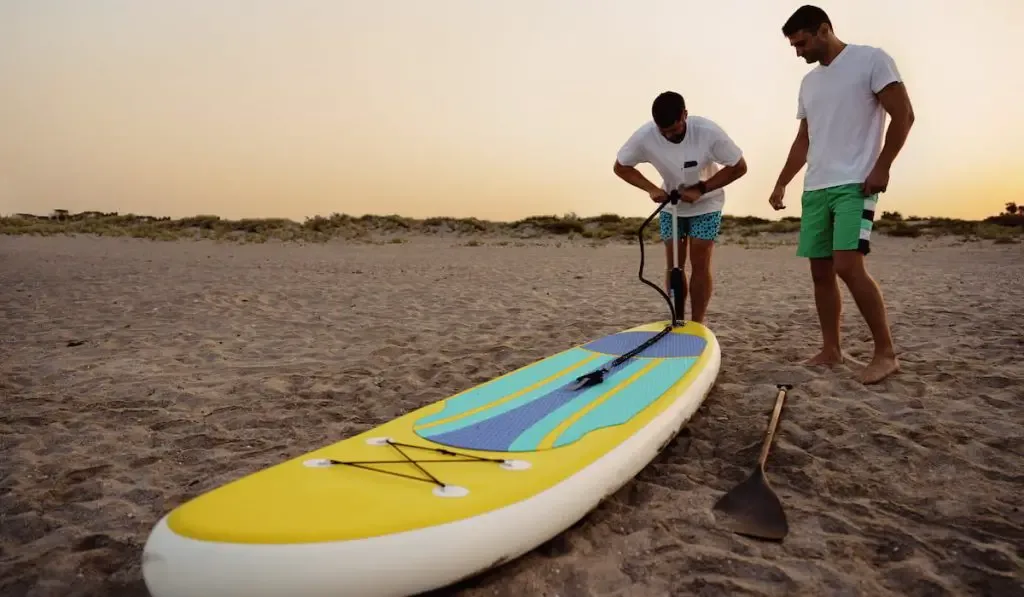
(705, 226)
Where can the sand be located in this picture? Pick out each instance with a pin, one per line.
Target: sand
(137, 374)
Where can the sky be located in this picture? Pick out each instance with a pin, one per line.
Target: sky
(466, 108)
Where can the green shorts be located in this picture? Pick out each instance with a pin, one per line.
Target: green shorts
(836, 218)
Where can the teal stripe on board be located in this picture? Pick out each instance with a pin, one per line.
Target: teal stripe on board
(632, 399)
(510, 384)
(530, 438)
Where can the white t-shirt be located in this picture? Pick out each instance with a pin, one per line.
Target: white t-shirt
(693, 159)
(845, 121)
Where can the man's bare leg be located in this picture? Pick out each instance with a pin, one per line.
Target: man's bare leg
(849, 265)
(830, 308)
(700, 277)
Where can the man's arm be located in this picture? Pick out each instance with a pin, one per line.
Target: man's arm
(726, 175)
(896, 102)
(797, 156)
(724, 151)
(634, 177)
(633, 152)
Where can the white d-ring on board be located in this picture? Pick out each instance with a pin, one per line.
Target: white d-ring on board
(450, 491)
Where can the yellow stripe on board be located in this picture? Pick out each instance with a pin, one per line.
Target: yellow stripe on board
(550, 438)
(509, 397)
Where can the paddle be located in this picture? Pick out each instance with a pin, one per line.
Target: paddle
(676, 285)
(752, 508)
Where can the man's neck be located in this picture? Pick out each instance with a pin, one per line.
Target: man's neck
(835, 46)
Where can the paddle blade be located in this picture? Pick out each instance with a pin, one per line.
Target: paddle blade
(752, 509)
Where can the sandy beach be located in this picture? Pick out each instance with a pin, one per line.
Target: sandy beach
(135, 374)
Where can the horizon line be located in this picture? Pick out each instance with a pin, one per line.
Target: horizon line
(567, 216)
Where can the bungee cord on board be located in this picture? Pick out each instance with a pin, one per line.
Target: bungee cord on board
(406, 459)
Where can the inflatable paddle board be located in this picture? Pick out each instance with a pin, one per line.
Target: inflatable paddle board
(446, 491)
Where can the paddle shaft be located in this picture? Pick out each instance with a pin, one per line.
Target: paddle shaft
(773, 424)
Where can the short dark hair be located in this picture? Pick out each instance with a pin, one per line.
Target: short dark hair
(806, 18)
(667, 108)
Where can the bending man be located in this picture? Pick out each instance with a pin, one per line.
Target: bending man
(684, 150)
(841, 107)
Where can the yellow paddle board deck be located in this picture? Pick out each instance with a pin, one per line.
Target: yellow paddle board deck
(485, 448)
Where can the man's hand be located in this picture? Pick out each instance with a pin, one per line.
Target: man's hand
(658, 195)
(689, 194)
(876, 182)
(775, 200)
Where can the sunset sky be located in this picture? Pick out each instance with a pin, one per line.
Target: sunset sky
(499, 110)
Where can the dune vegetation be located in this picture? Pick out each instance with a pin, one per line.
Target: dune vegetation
(1006, 227)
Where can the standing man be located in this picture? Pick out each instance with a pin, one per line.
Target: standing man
(841, 107)
(684, 150)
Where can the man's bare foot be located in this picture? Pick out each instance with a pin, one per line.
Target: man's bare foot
(825, 357)
(880, 367)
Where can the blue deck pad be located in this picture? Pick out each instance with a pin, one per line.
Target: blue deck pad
(560, 369)
(671, 346)
(499, 431)
(522, 423)
(629, 402)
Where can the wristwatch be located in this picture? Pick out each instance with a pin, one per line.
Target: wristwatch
(703, 186)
